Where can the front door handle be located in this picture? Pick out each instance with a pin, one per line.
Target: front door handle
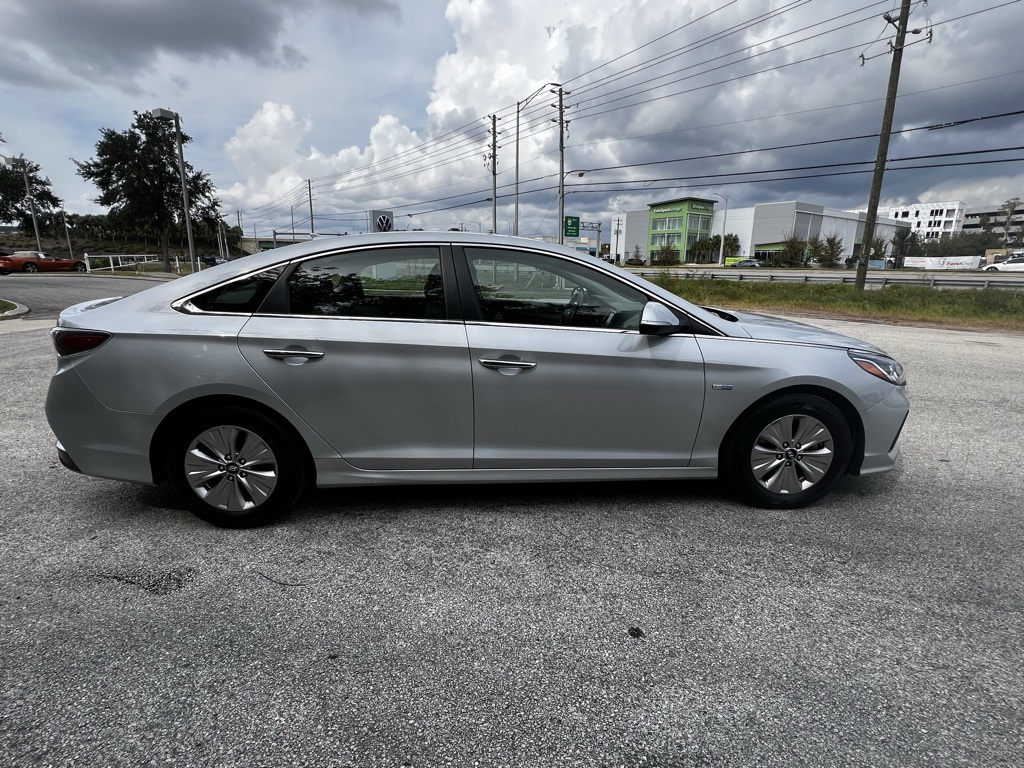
(292, 354)
(498, 365)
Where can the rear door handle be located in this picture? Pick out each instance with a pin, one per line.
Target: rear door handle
(499, 364)
(292, 354)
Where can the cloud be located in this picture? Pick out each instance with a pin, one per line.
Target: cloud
(114, 41)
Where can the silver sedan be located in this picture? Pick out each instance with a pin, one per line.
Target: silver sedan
(418, 357)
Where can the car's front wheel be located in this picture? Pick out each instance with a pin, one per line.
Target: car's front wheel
(30, 267)
(79, 266)
(235, 467)
(787, 453)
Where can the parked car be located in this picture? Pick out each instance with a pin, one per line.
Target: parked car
(36, 261)
(450, 357)
(1012, 264)
(747, 263)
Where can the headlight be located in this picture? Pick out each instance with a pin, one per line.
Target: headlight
(879, 365)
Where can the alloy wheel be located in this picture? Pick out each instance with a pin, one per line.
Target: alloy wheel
(792, 454)
(231, 468)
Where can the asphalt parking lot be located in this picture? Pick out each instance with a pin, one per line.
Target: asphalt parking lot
(654, 624)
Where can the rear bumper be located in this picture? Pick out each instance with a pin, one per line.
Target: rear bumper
(93, 439)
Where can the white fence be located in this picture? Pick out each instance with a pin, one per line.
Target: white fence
(121, 261)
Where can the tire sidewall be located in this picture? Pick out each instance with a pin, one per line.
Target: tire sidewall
(737, 449)
(286, 449)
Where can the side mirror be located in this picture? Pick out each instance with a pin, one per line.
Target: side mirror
(659, 320)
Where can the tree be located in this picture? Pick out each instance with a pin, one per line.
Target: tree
(137, 174)
(15, 202)
(666, 255)
(815, 248)
(704, 248)
(1007, 209)
(963, 244)
(831, 251)
(906, 243)
(732, 245)
(793, 252)
(879, 246)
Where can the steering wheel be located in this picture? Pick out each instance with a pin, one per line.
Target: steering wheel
(576, 298)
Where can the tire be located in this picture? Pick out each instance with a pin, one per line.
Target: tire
(991, 269)
(235, 467)
(30, 267)
(79, 266)
(766, 467)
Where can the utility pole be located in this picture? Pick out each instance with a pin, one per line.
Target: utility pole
(14, 162)
(492, 156)
(561, 163)
(883, 143)
(617, 231)
(312, 226)
(241, 234)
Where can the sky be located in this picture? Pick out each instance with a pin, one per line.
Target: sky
(387, 104)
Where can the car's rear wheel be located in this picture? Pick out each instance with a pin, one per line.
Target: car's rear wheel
(79, 266)
(788, 453)
(991, 269)
(30, 267)
(235, 467)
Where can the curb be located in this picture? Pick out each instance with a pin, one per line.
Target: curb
(18, 311)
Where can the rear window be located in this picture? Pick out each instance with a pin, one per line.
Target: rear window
(241, 296)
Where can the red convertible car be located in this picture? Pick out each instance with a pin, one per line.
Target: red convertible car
(35, 261)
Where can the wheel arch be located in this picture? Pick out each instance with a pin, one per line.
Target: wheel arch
(166, 428)
(844, 406)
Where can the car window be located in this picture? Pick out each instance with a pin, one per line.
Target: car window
(398, 283)
(526, 287)
(243, 296)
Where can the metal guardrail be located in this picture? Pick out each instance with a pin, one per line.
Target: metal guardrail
(874, 279)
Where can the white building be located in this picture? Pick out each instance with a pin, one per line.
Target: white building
(929, 220)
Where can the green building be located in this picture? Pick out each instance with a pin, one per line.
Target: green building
(678, 224)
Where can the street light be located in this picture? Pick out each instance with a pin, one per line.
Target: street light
(167, 114)
(721, 241)
(14, 162)
(519, 107)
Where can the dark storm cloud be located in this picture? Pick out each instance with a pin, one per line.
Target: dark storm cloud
(823, 93)
(112, 41)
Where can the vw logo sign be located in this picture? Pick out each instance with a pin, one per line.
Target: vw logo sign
(383, 223)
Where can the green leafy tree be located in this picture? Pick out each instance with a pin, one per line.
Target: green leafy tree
(137, 174)
(793, 252)
(666, 255)
(704, 249)
(732, 245)
(15, 202)
(879, 248)
(831, 251)
(1010, 236)
(963, 244)
(815, 248)
(906, 243)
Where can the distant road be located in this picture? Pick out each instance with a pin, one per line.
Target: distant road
(877, 278)
(49, 294)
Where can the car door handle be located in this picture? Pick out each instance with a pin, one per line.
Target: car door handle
(499, 364)
(292, 354)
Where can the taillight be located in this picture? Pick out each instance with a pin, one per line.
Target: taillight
(70, 342)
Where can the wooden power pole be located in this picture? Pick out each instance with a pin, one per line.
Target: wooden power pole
(883, 145)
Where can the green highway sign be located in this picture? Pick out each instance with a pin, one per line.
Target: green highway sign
(571, 226)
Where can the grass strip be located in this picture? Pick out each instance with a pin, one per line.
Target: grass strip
(983, 308)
